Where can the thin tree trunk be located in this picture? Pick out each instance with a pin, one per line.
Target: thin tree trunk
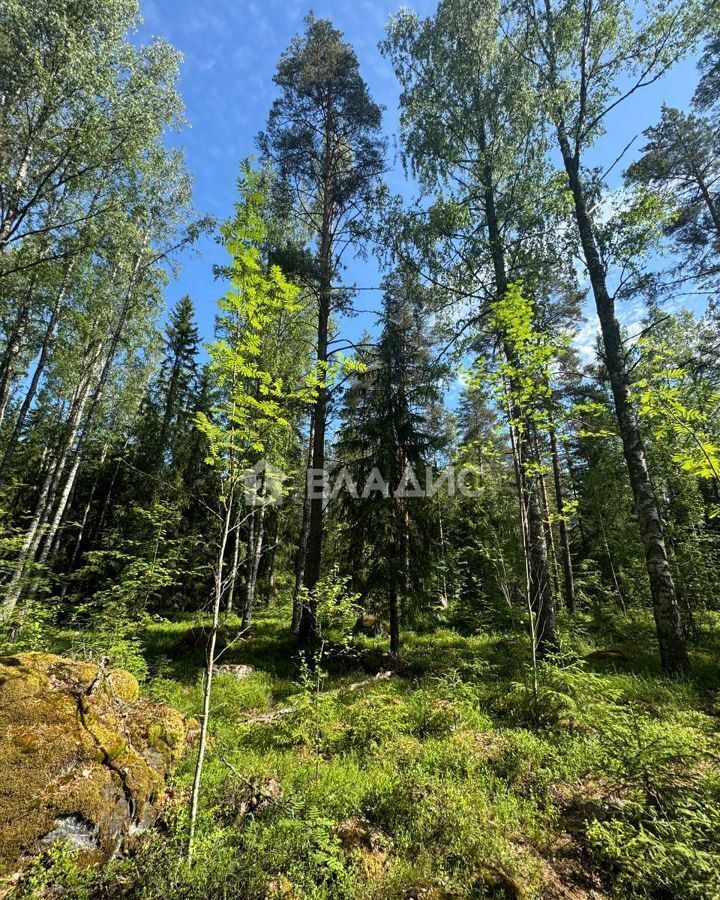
(301, 553)
(69, 485)
(565, 554)
(34, 533)
(539, 584)
(300, 567)
(444, 602)
(547, 525)
(541, 598)
(394, 617)
(37, 373)
(668, 622)
(313, 554)
(100, 524)
(83, 522)
(613, 572)
(307, 630)
(254, 558)
(235, 563)
(9, 221)
(14, 348)
(207, 688)
(272, 563)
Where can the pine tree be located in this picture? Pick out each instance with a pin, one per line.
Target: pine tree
(681, 164)
(323, 138)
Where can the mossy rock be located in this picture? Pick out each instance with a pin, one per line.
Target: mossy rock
(370, 626)
(83, 757)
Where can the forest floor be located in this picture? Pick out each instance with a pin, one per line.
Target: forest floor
(462, 776)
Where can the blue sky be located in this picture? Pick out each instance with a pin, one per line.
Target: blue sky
(230, 53)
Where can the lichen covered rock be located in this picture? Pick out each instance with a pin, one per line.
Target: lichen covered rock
(83, 757)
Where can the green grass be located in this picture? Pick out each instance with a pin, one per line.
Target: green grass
(455, 780)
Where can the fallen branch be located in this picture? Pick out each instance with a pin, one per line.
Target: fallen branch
(267, 717)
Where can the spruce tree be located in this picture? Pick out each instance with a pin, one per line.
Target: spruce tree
(389, 424)
(174, 394)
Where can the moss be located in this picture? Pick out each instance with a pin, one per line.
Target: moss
(122, 686)
(78, 742)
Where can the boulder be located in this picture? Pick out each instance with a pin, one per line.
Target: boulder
(83, 757)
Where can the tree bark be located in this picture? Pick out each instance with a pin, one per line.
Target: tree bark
(37, 373)
(98, 393)
(273, 561)
(35, 531)
(301, 553)
(207, 689)
(547, 525)
(14, 348)
(541, 598)
(307, 629)
(254, 557)
(565, 554)
(394, 616)
(671, 639)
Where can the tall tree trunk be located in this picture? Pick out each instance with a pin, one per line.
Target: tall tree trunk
(611, 561)
(68, 487)
(565, 555)
(668, 623)
(444, 600)
(102, 518)
(35, 531)
(541, 597)
(394, 615)
(42, 359)
(547, 524)
(72, 564)
(14, 348)
(307, 628)
(10, 219)
(300, 556)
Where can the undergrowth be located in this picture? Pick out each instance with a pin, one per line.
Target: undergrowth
(462, 777)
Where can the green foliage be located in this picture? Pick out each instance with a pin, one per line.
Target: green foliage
(437, 779)
(244, 362)
(469, 772)
(680, 408)
(663, 837)
(54, 869)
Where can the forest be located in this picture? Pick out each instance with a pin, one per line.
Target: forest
(322, 603)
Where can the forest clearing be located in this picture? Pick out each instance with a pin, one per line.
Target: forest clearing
(360, 519)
